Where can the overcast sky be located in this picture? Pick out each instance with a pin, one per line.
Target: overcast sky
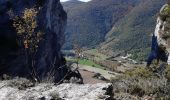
(79, 0)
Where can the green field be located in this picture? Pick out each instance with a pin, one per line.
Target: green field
(85, 62)
(98, 56)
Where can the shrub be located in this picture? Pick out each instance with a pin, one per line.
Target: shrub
(140, 72)
(166, 10)
(55, 96)
(141, 82)
(28, 35)
(20, 83)
(167, 73)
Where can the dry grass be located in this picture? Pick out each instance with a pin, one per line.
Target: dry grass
(140, 83)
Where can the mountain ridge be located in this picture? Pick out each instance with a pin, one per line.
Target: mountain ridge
(135, 29)
(93, 20)
(114, 25)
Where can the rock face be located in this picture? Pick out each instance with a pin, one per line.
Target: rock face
(162, 30)
(50, 91)
(51, 20)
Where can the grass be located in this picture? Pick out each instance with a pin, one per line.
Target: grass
(86, 62)
(166, 10)
(140, 72)
(89, 63)
(142, 82)
(98, 56)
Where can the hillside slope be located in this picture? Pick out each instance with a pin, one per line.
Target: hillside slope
(134, 30)
(71, 4)
(89, 22)
(115, 25)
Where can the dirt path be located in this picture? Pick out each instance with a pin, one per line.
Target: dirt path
(88, 77)
(104, 73)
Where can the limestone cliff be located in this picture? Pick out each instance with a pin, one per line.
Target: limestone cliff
(51, 20)
(162, 30)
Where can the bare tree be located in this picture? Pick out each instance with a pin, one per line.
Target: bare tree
(78, 52)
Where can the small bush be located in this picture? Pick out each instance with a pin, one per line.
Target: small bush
(21, 83)
(96, 75)
(6, 77)
(55, 96)
(166, 10)
(141, 82)
(167, 73)
(140, 72)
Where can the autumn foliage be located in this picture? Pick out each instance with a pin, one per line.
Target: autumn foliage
(26, 26)
(29, 36)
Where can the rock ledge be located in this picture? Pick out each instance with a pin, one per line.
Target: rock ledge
(47, 91)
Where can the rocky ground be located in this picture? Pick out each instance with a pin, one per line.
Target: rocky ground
(22, 89)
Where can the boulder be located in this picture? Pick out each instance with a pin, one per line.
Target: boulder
(162, 30)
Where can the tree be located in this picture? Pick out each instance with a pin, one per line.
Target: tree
(78, 52)
(26, 27)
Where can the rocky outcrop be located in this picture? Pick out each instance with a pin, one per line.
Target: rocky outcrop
(162, 30)
(50, 91)
(51, 20)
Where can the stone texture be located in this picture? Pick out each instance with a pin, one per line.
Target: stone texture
(162, 30)
(101, 91)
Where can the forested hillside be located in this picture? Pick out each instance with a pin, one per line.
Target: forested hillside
(113, 24)
(89, 22)
(134, 30)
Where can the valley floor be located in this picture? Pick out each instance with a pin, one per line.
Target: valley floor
(104, 73)
(95, 62)
(88, 77)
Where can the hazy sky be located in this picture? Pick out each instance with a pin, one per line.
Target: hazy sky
(79, 0)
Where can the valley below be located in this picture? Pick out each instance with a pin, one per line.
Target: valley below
(131, 80)
(84, 50)
(96, 63)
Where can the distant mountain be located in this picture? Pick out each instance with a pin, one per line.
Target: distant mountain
(114, 24)
(134, 29)
(89, 22)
